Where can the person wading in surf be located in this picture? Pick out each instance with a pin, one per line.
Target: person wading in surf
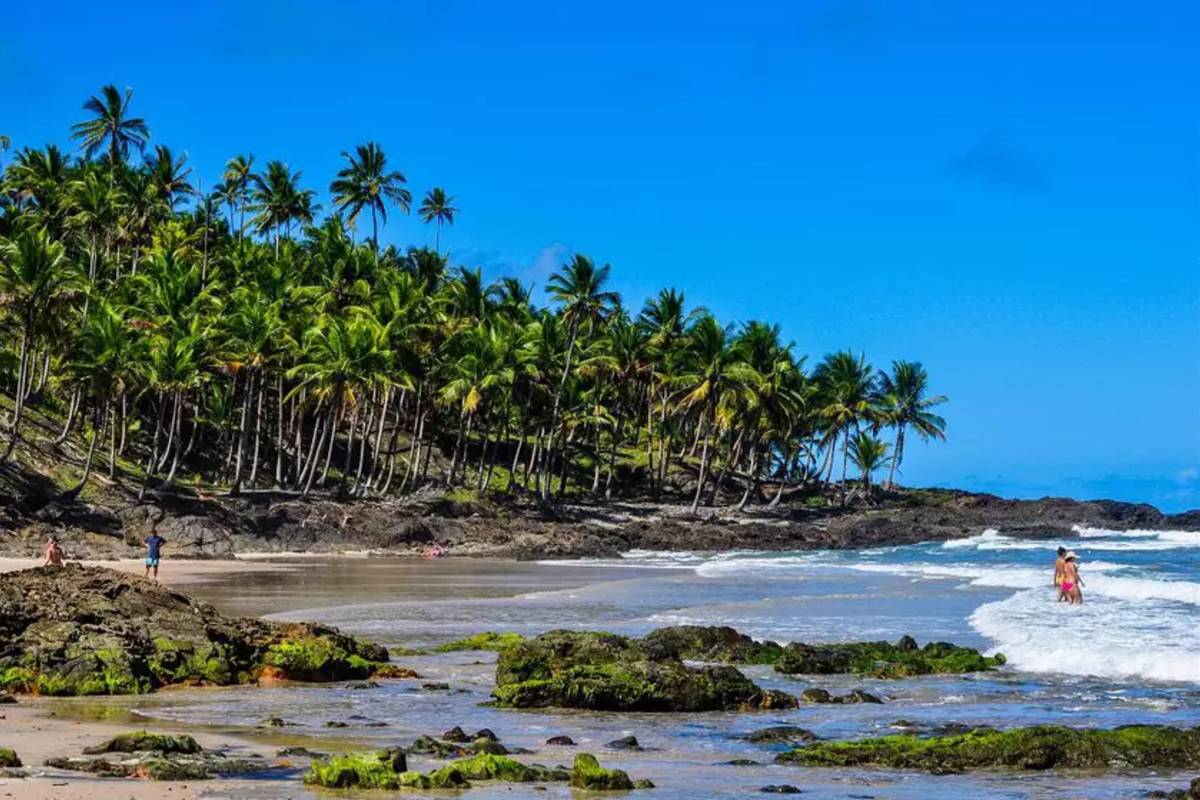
(1072, 584)
(1060, 569)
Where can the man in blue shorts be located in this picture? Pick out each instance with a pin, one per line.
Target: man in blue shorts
(154, 544)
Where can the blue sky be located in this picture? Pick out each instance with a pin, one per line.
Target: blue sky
(1009, 192)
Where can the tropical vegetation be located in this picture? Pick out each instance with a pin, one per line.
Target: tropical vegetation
(244, 340)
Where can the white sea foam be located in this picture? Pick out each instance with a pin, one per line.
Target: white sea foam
(1117, 638)
(734, 566)
(1166, 539)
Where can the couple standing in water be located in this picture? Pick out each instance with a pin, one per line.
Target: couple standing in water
(1066, 577)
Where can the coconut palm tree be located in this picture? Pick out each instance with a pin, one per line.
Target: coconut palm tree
(847, 386)
(34, 273)
(366, 183)
(169, 174)
(279, 201)
(436, 207)
(237, 178)
(905, 404)
(579, 289)
(111, 127)
(868, 454)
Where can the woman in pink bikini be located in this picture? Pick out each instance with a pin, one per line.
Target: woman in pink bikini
(1071, 582)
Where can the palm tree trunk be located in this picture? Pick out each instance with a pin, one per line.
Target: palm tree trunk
(703, 476)
(98, 423)
(897, 455)
(562, 383)
(258, 417)
(612, 456)
(72, 408)
(279, 431)
(243, 432)
(752, 487)
(19, 398)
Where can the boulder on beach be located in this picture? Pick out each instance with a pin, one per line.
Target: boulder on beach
(781, 734)
(717, 643)
(79, 630)
(156, 756)
(817, 695)
(586, 773)
(8, 758)
(882, 659)
(605, 672)
(1036, 748)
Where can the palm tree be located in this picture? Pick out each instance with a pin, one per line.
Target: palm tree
(366, 183)
(903, 396)
(34, 273)
(579, 289)
(436, 208)
(713, 373)
(847, 391)
(279, 200)
(170, 176)
(111, 126)
(239, 171)
(868, 454)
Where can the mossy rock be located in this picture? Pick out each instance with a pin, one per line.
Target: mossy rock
(488, 640)
(8, 758)
(318, 658)
(605, 672)
(711, 643)
(384, 769)
(78, 631)
(586, 773)
(1035, 748)
(488, 767)
(144, 742)
(883, 660)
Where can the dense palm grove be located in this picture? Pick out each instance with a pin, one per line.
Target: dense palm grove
(237, 338)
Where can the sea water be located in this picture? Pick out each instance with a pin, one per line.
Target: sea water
(1129, 654)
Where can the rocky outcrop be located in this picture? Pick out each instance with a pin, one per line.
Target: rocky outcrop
(586, 773)
(605, 672)
(883, 660)
(1037, 748)
(155, 756)
(218, 527)
(87, 630)
(711, 643)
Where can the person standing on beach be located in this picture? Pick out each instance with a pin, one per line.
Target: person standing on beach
(54, 553)
(1060, 569)
(153, 544)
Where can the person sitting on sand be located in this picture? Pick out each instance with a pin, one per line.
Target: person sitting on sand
(54, 553)
(1060, 568)
(1072, 584)
(154, 544)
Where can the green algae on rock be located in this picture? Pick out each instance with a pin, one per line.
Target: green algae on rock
(488, 640)
(142, 741)
(883, 660)
(388, 769)
(586, 773)
(1035, 748)
(8, 758)
(80, 630)
(605, 672)
(712, 643)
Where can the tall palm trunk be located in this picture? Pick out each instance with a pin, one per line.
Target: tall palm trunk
(703, 476)
(897, 455)
(14, 431)
(562, 384)
(98, 422)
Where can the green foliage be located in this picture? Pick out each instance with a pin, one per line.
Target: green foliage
(244, 338)
(1042, 747)
(8, 758)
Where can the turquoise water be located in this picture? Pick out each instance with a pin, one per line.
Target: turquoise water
(1130, 654)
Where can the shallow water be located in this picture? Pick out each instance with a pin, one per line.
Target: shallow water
(1130, 654)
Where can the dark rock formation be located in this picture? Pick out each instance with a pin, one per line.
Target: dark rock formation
(605, 672)
(883, 660)
(87, 630)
